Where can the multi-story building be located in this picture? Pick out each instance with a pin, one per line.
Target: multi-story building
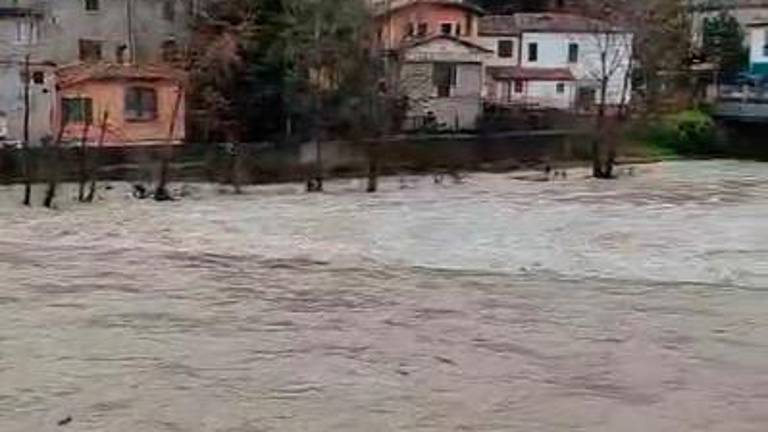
(49, 34)
(758, 48)
(745, 11)
(438, 66)
(522, 6)
(555, 60)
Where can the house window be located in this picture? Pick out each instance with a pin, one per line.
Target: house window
(444, 78)
(90, 50)
(91, 5)
(765, 44)
(120, 53)
(458, 29)
(410, 29)
(518, 86)
(140, 104)
(170, 51)
(26, 32)
(505, 48)
(169, 10)
(422, 29)
(533, 52)
(446, 28)
(560, 88)
(38, 77)
(573, 53)
(468, 26)
(77, 110)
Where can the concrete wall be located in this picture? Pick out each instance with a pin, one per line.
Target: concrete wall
(12, 57)
(145, 27)
(553, 53)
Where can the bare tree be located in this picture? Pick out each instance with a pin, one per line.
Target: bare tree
(52, 149)
(613, 63)
(83, 162)
(161, 191)
(99, 148)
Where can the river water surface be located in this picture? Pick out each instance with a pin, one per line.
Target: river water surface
(493, 305)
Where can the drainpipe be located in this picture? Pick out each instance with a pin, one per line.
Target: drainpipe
(131, 38)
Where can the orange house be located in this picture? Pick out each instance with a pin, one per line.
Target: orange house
(138, 105)
(400, 21)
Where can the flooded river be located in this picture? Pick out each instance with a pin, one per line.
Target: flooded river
(493, 305)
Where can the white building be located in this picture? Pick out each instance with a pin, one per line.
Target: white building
(555, 60)
(758, 48)
(745, 12)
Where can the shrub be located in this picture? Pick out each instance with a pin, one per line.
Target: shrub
(688, 133)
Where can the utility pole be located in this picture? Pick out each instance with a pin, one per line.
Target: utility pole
(131, 37)
(316, 184)
(25, 143)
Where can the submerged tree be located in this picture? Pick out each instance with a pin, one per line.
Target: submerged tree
(610, 66)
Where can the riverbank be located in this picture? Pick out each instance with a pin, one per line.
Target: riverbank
(262, 163)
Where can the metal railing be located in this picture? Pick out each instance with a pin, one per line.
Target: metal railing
(754, 94)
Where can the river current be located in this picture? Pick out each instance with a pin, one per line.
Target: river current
(496, 304)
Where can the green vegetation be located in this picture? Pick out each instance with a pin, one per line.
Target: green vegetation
(724, 43)
(687, 133)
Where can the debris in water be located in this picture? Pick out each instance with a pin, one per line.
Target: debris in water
(65, 421)
(445, 360)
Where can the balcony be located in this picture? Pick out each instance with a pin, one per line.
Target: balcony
(745, 102)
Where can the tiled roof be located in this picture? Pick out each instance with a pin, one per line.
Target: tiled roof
(389, 6)
(428, 39)
(507, 25)
(530, 74)
(68, 75)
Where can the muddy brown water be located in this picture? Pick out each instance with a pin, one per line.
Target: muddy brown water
(493, 305)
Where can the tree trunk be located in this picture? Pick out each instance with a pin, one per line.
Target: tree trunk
(602, 168)
(373, 169)
(161, 192)
(315, 183)
(92, 192)
(83, 162)
(52, 164)
(236, 168)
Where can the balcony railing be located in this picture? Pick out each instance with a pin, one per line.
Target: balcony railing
(746, 102)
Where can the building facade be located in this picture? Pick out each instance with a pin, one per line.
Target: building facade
(58, 33)
(134, 105)
(745, 11)
(554, 60)
(758, 48)
(434, 61)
